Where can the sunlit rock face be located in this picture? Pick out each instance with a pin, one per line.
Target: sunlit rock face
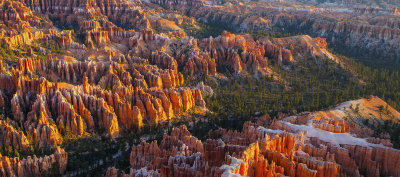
(237, 53)
(12, 137)
(33, 166)
(92, 96)
(86, 97)
(105, 67)
(173, 4)
(376, 34)
(125, 34)
(308, 144)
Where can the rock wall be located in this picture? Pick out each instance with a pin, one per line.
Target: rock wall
(178, 154)
(192, 56)
(34, 166)
(377, 35)
(171, 4)
(291, 146)
(94, 96)
(12, 137)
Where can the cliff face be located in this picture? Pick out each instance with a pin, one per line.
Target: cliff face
(15, 15)
(314, 144)
(288, 49)
(106, 96)
(34, 166)
(26, 22)
(18, 23)
(12, 137)
(120, 69)
(171, 4)
(367, 3)
(124, 98)
(237, 53)
(88, 97)
(354, 33)
(179, 154)
(69, 11)
(112, 38)
(376, 35)
(90, 81)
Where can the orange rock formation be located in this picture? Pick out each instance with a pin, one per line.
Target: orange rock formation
(33, 166)
(291, 146)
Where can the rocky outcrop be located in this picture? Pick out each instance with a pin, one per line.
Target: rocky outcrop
(20, 26)
(179, 154)
(113, 172)
(205, 89)
(25, 24)
(335, 32)
(284, 50)
(192, 56)
(376, 37)
(170, 4)
(291, 146)
(65, 39)
(356, 112)
(373, 11)
(54, 163)
(109, 75)
(12, 137)
(385, 142)
(237, 52)
(24, 38)
(376, 161)
(105, 96)
(119, 69)
(88, 97)
(17, 16)
(278, 53)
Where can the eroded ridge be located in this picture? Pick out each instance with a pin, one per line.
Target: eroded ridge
(308, 144)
